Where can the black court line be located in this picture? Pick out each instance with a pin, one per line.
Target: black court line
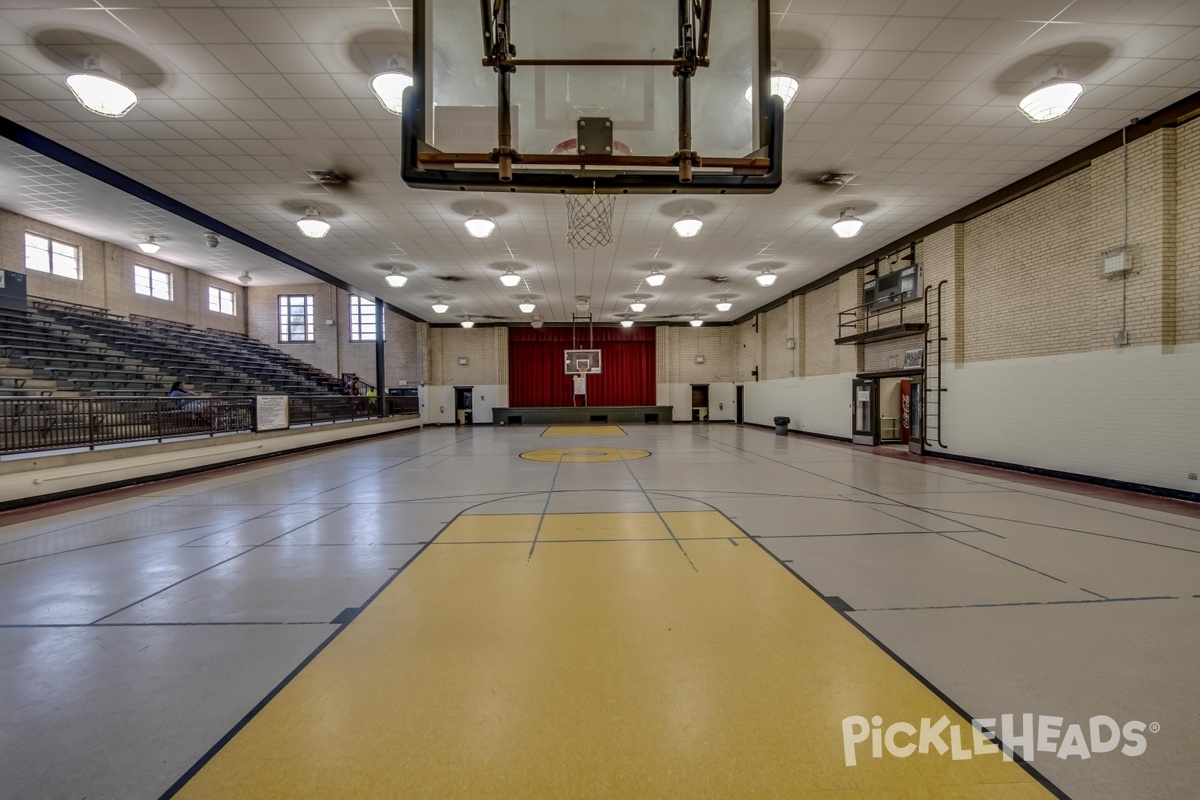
(1014, 604)
(650, 500)
(1032, 771)
(1002, 558)
(249, 549)
(970, 528)
(546, 506)
(191, 772)
(1097, 594)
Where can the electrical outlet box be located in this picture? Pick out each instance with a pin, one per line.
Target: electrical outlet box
(1120, 338)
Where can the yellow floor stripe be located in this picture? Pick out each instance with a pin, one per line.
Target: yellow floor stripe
(584, 455)
(617, 669)
(584, 430)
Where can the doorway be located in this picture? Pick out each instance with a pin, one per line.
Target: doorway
(916, 417)
(739, 396)
(864, 399)
(890, 407)
(700, 402)
(462, 405)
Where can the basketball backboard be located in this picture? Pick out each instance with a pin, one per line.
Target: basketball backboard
(581, 362)
(592, 96)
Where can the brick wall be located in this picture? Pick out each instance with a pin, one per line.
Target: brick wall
(745, 351)
(678, 346)
(486, 351)
(106, 278)
(1187, 227)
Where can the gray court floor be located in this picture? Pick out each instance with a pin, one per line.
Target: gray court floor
(137, 630)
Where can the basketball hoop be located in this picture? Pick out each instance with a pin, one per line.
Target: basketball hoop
(589, 220)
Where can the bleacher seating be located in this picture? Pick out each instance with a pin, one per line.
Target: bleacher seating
(58, 348)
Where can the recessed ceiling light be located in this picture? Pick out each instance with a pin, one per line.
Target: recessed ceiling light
(847, 225)
(150, 245)
(311, 224)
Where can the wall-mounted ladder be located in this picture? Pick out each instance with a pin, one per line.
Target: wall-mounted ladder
(933, 365)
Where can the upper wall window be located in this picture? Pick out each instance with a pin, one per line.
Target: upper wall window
(362, 320)
(221, 301)
(47, 255)
(296, 318)
(153, 282)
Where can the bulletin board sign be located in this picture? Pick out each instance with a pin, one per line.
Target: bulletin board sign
(271, 412)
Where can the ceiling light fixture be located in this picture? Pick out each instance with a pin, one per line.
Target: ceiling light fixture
(439, 306)
(527, 305)
(395, 279)
(509, 278)
(688, 225)
(536, 322)
(784, 85)
(479, 226)
(101, 93)
(847, 225)
(467, 323)
(390, 84)
(656, 278)
(583, 304)
(150, 245)
(245, 279)
(638, 305)
(723, 304)
(695, 321)
(311, 224)
(765, 278)
(1052, 99)
(626, 323)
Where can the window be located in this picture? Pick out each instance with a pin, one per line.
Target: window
(153, 282)
(221, 301)
(47, 255)
(296, 318)
(362, 320)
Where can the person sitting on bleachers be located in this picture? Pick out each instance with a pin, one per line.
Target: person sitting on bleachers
(177, 391)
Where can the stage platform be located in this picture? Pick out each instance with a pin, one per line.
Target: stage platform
(578, 416)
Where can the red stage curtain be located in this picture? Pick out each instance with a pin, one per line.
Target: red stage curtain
(535, 367)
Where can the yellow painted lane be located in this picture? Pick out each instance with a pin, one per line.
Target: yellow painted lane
(584, 430)
(606, 669)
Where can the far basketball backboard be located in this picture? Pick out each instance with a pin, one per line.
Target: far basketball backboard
(583, 95)
(582, 362)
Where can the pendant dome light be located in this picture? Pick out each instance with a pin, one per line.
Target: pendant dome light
(98, 92)
(638, 305)
(1052, 99)
(723, 304)
(847, 225)
(149, 246)
(765, 278)
(395, 279)
(389, 85)
(688, 225)
(695, 321)
(311, 224)
(656, 278)
(479, 226)
(467, 323)
(509, 278)
(439, 306)
(527, 305)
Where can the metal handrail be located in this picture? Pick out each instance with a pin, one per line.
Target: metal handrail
(862, 314)
(36, 424)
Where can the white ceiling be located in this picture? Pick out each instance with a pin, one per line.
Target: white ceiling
(239, 98)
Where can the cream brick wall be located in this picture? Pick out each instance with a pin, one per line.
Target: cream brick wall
(486, 351)
(745, 351)
(1187, 254)
(263, 323)
(775, 328)
(106, 272)
(677, 348)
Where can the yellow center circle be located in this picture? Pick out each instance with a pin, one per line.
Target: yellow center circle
(585, 455)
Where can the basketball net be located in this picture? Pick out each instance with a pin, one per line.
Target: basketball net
(589, 220)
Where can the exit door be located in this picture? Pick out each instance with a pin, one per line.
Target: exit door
(462, 405)
(700, 403)
(865, 402)
(737, 401)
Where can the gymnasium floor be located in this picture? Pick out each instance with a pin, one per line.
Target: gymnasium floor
(602, 612)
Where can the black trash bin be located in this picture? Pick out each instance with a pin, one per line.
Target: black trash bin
(781, 424)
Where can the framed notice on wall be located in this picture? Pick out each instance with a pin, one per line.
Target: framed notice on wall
(271, 412)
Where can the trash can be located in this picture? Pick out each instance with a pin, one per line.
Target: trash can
(781, 424)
